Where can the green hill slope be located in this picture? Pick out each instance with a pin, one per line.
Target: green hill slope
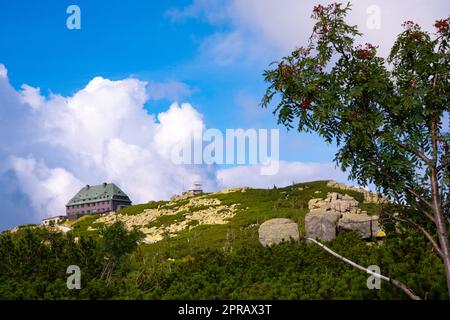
(250, 208)
(206, 247)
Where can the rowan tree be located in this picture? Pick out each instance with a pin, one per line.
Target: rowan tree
(386, 115)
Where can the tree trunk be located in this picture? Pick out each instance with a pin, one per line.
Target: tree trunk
(441, 227)
(436, 203)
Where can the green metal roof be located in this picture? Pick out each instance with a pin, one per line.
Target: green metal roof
(101, 192)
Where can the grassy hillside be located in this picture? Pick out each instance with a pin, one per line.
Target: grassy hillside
(215, 261)
(254, 206)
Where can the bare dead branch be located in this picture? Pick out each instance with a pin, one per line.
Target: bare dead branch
(396, 283)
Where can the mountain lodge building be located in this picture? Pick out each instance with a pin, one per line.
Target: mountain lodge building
(101, 198)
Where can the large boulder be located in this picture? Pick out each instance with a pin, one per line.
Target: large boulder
(367, 226)
(275, 231)
(321, 224)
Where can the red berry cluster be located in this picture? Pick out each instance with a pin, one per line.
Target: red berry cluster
(332, 8)
(286, 71)
(417, 35)
(442, 24)
(323, 30)
(413, 30)
(319, 9)
(305, 104)
(410, 25)
(327, 14)
(366, 53)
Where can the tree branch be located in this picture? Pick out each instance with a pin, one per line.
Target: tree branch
(424, 232)
(411, 191)
(418, 207)
(396, 283)
(417, 152)
(425, 213)
(389, 177)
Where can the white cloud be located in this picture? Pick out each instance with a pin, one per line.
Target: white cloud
(288, 173)
(31, 96)
(269, 28)
(104, 109)
(225, 48)
(212, 11)
(282, 24)
(176, 126)
(47, 188)
(170, 90)
(3, 71)
(101, 133)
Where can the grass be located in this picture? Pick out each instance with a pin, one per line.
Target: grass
(229, 256)
(167, 220)
(81, 226)
(254, 206)
(139, 208)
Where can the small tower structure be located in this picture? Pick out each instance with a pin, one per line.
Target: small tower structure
(196, 188)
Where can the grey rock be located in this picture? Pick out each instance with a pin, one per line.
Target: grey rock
(364, 224)
(275, 231)
(321, 224)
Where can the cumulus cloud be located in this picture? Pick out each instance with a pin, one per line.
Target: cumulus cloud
(173, 130)
(54, 145)
(288, 173)
(47, 188)
(31, 96)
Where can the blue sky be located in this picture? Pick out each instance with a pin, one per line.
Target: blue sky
(135, 38)
(131, 67)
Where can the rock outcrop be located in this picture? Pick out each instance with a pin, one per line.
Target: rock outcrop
(369, 196)
(335, 202)
(197, 211)
(338, 213)
(230, 190)
(275, 231)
